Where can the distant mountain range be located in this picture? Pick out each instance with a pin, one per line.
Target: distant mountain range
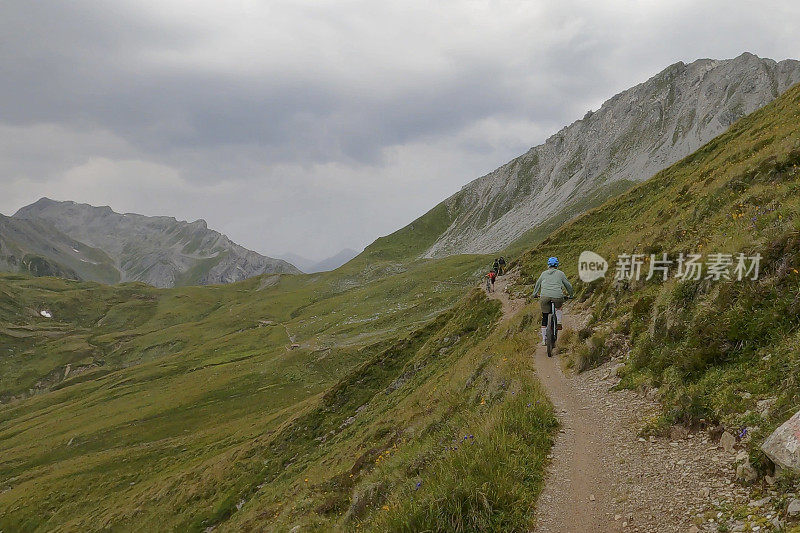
(633, 136)
(79, 241)
(630, 138)
(310, 266)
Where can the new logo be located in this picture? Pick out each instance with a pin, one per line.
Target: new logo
(591, 266)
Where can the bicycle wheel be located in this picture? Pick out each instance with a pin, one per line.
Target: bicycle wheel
(549, 337)
(555, 323)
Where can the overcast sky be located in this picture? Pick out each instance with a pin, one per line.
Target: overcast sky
(310, 126)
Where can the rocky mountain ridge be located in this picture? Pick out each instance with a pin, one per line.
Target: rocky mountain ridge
(630, 138)
(95, 243)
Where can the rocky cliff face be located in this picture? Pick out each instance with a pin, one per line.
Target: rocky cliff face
(161, 251)
(38, 248)
(630, 138)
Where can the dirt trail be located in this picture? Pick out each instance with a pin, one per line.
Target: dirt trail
(578, 495)
(577, 490)
(511, 306)
(603, 476)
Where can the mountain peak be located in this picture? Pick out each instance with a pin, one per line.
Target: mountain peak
(633, 135)
(161, 251)
(42, 203)
(199, 224)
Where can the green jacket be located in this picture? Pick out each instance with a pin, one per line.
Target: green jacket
(550, 283)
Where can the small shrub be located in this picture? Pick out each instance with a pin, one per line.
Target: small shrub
(591, 353)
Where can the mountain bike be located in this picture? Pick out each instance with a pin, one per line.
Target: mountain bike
(488, 285)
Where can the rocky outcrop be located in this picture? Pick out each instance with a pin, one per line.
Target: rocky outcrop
(40, 249)
(783, 446)
(630, 138)
(102, 245)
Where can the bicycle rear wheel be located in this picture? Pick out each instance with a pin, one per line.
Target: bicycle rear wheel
(549, 336)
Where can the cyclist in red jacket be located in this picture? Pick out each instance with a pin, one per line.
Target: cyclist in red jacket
(490, 277)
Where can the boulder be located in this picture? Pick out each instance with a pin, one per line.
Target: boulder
(365, 497)
(794, 508)
(783, 446)
(727, 441)
(742, 456)
(760, 503)
(746, 473)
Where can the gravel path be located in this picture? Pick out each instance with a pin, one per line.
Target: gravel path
(605, 477)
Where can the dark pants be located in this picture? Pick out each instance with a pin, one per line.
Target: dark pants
(544, 302)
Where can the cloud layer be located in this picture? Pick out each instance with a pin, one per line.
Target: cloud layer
(314, 126)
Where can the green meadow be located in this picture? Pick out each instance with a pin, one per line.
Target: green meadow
(183, 409)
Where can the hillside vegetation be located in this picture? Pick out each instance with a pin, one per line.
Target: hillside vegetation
(714, 351)
(186, 408)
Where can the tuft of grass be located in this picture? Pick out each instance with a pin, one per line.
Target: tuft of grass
(490, 482)
(590, 353)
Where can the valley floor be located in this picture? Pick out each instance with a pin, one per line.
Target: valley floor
(605, 477)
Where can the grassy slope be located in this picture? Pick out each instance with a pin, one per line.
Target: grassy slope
(167, 388)
(704, 343)
(413, 240)
(449, 432)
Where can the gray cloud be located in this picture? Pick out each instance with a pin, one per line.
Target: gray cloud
(311, 126)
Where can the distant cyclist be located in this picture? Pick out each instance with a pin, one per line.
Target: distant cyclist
(502, 263)
(490, 277)
(496, 266)
(550, 286)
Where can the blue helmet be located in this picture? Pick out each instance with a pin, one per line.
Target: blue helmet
(552, 262)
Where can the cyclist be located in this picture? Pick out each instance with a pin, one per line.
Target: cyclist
(491, 276)
(496, 266)
(550, 287)
(502, 263)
